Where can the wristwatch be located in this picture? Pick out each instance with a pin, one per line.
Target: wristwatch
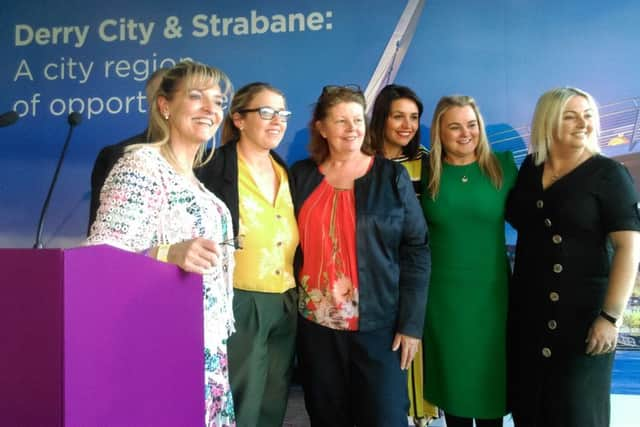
(163, 253)
(617, 322)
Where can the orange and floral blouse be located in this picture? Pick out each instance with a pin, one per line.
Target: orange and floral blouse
(329, 274)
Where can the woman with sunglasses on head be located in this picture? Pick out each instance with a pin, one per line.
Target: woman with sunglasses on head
(151, 202)
(395, 134)
(363, 271)
(254, 183)
(465, 327)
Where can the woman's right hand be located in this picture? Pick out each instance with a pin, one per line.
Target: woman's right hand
(195, 256)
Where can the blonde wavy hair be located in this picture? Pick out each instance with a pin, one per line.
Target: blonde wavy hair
(489, 164)
(186, 74)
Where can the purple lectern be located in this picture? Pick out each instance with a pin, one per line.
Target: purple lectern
(97, 336)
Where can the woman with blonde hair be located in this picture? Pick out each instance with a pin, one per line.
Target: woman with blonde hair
(465, 325)
(576, 213)
(152, 203)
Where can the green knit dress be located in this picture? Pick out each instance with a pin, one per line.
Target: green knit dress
(465, 324)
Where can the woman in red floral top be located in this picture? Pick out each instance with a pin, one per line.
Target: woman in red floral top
(363, 271)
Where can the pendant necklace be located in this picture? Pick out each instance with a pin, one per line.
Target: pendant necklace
(465, 173)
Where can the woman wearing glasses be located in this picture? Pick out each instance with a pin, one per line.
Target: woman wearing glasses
(253, 181)
(363, 273)
(151, 202)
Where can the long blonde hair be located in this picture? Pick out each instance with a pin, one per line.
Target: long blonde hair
(547, 118)
(489, 164)
(190, 74)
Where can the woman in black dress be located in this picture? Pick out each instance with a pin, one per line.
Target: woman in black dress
(576, 213)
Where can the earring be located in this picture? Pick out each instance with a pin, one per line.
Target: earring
(166, 116)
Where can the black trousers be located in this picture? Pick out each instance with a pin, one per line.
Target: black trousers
(351, 378)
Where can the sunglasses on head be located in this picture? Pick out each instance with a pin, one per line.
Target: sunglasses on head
(336, 88)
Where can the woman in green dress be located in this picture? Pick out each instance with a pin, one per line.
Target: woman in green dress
(465, 325)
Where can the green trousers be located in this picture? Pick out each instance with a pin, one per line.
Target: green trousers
(261, 356)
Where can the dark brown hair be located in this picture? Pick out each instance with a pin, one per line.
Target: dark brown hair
(381, 110)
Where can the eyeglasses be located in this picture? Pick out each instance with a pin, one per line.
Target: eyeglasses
(335, 88)
(236, 241)
(268, 113)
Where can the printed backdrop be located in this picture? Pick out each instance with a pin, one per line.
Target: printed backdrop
(93, 58)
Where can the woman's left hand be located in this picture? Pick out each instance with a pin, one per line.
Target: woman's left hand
(602, 337)
(409, 348)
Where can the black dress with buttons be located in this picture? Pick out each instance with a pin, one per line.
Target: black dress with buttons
(560, 279)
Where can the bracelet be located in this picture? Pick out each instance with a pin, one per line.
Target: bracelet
(163, 253)
(613, 320)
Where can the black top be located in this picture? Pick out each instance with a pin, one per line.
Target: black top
(105, 161)
(563, 259)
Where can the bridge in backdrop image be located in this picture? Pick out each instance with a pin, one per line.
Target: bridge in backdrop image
(92, 58)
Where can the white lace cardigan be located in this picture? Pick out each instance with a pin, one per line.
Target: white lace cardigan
(144, 203)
